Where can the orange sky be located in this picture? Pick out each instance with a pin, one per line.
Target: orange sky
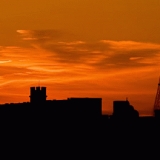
(108, 49)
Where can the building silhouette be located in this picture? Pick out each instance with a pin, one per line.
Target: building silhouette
(38, 95)
(123, 111)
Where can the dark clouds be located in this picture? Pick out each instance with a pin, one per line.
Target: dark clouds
(101, 54)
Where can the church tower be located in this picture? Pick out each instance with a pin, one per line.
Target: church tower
(38, 95)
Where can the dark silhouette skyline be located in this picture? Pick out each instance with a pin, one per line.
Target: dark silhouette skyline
(75, 122)
(83, 112)
(79, 107)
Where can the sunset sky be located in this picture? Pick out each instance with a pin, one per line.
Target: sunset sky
(81, 48)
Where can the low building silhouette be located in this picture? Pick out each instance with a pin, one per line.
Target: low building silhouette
(122, 110)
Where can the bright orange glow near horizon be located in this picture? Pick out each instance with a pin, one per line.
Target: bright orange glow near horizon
(107, 49)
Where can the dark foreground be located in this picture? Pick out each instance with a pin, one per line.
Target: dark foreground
(47, 137)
